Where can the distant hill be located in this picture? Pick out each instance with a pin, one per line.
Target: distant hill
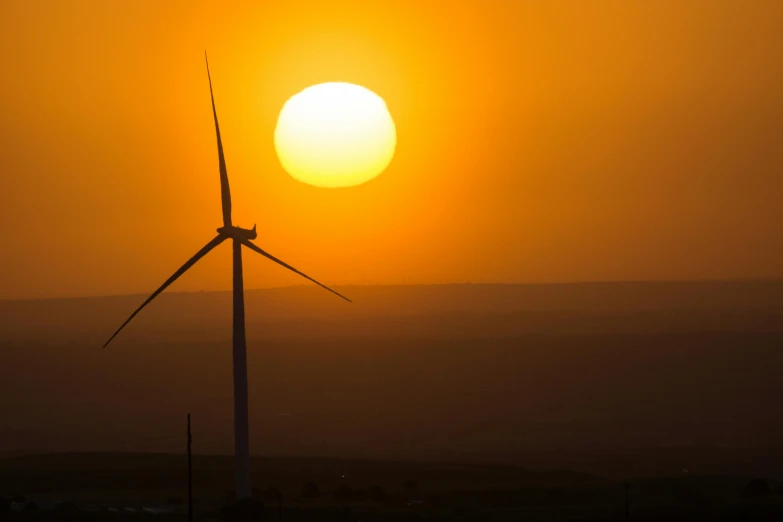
(455, 372)
(429, 310)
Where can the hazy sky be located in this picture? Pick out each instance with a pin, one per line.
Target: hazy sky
(537, 141)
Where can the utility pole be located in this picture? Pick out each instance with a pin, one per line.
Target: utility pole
(627, 506)
(190, 474)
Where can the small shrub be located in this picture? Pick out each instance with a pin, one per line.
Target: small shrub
(757, 488)
(344, 493)
(376, 494)
(246, 510)
(345, 516)
(66, 506)
(310, 490)
(271, 494)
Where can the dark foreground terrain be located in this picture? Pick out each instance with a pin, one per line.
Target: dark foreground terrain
(111, 486)
(672, 387)
(541, 376)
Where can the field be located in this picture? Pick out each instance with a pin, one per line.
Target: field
(95, 483)
(502, 402)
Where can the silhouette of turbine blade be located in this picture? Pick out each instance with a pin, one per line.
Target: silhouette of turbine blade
(225, 190)
(192, 261)
(252, 246)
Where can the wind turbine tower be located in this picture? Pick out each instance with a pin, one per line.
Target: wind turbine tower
(239, 237)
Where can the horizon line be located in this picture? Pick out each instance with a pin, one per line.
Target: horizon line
(735, 280)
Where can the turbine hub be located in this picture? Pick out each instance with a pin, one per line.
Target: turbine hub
(238, 232)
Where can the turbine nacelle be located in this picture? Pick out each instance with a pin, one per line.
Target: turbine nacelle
(238, 232)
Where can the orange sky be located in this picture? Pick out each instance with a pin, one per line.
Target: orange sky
(537, 141)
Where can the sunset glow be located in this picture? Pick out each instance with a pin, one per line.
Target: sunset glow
(534, 143)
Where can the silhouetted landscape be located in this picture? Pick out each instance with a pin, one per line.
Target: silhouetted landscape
(486, 261)
(672, 386)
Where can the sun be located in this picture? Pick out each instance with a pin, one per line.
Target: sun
(335, 135)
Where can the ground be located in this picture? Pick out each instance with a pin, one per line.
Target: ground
(101, 486)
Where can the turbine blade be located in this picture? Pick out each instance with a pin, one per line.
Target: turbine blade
(252, 246)
(225, 190)
(192, 261)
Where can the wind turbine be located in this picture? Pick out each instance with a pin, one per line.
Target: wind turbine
(240, 237)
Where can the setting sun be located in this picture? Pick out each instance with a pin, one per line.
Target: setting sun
(335, 135)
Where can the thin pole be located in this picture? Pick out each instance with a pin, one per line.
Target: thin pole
(241, 429)
(627, 506)
(190, 474)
